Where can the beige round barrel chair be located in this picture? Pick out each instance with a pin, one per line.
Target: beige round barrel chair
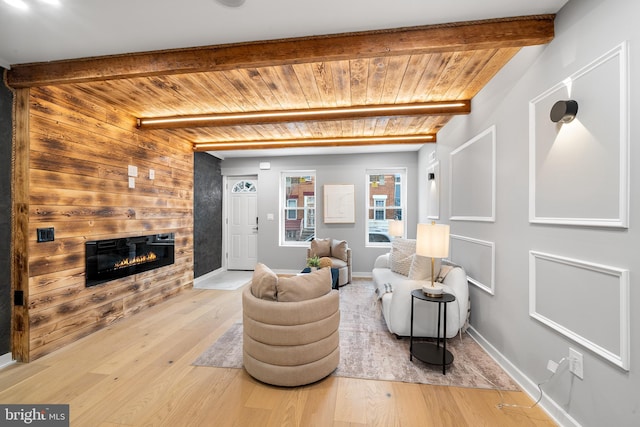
(290, 327)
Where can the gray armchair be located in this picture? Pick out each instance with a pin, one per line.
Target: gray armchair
(339, 253)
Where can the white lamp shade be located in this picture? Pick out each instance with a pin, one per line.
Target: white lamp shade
(396, 228)
(433, 240)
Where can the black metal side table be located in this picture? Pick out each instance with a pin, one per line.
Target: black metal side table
(430, 353)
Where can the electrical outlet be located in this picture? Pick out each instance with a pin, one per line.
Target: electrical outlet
(575, 363)
(552, 366)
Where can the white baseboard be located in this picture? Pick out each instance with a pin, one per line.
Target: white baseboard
(530, 387)
(6, 360)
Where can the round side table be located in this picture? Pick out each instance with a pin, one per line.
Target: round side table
(430, 353)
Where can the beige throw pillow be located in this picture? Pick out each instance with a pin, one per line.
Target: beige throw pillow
(421, 268)
(304, 286)
(264, 283)
(339, 249)
(402, 251)
(321, 247)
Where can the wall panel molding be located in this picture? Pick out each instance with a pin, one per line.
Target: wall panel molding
(478, 259)
(472, 178)
(584, 301)
(579, 171)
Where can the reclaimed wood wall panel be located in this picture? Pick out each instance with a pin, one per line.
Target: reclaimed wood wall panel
(79, 149)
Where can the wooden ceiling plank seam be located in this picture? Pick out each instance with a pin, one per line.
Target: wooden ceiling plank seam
(504, 32)
(273, 78)
(499, 59)
(454, 69)
(252, 98)
(359, 75)
(377, 74)
(430, 76)
(309, 85)
(186, 94)
(470, 73)
(396, 68)
(256, 78)
(234, 100)
(221, 99)
(341, 82)
(324, 80)
(411, 79)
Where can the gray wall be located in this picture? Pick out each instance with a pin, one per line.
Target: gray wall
(207, 214)
(608, 394)
(6, 104)
(331, 169)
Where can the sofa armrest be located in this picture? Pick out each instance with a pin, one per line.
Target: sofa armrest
(456, 281)
(382, 261)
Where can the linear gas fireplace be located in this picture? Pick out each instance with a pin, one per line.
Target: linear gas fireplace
(115, 258)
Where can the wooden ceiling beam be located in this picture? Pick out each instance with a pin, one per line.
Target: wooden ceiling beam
(315, 114)
(462, 36)
(313, 142)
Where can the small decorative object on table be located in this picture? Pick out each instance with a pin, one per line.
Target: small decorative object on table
(313, 263)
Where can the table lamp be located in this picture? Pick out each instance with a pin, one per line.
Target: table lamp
(432, 241)
(396, 228)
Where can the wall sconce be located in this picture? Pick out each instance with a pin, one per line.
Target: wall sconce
(431, 176)
(564, 111)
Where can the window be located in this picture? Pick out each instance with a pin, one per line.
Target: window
(386, 195)
(298, 201)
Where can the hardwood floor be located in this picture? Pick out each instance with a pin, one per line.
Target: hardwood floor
(138, 372)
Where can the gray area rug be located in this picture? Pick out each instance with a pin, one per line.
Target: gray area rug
(369, 351)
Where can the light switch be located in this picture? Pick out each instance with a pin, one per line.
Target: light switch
(270, 217)
(152, 174)
(133, 171)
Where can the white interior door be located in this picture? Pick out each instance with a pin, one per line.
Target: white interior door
(242, 223)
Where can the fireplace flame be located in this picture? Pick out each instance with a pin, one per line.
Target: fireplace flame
(141, 259)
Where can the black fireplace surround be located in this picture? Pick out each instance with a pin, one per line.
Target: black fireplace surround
(115, 258)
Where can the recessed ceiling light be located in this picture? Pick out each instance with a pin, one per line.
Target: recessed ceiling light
(231, 3)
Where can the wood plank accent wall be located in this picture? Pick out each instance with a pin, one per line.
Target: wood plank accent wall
(79, 149)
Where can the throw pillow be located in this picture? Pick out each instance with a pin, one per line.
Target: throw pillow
(421, 268)
(339, 249)
(304, 286)
(402, 251)
(264, 282)
(325, 262)
(321, 247)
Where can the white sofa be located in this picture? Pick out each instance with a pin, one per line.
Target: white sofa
(396, 300)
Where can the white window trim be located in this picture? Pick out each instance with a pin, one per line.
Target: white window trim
(404, 184)
(282, 204)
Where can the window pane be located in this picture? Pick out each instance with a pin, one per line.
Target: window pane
(385, 202)
(299, 207)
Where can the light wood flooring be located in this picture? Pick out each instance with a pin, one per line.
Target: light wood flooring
(138, 372)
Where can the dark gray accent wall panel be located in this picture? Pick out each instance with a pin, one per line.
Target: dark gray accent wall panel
(207, 214)
(6, 104)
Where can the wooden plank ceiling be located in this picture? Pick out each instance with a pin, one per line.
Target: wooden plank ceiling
(416, 65)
